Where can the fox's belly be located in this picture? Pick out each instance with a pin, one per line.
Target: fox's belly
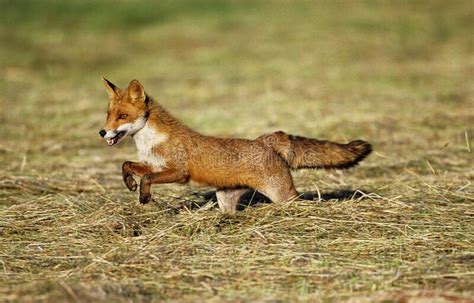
(226, 178)
(195, 183)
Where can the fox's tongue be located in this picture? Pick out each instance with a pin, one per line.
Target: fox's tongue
(110, 141)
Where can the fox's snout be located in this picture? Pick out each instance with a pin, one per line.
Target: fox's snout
(102, 133)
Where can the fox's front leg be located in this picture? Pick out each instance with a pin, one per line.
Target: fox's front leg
(166, 176)
(129, 169)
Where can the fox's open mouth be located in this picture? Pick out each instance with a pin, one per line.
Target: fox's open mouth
(115, 139)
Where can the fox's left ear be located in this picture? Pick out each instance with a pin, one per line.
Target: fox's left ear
(112, 90)
(136, 91)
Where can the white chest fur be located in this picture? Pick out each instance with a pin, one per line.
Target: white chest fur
(145, 140)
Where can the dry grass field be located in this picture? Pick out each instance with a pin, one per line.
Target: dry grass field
(397, 228)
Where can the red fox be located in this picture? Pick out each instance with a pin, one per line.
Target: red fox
(171, 152)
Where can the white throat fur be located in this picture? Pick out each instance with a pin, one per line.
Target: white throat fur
(146, 139)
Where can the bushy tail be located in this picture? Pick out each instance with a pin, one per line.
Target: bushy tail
(300, 152)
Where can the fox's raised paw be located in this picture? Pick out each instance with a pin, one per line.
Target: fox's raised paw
(130, 182)
(145, 198)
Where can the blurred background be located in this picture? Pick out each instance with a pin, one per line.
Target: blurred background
(398, 74)
(394, 72)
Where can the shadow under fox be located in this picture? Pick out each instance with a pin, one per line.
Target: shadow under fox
(169, 152)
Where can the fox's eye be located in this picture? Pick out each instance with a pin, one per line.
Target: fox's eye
(122, 116)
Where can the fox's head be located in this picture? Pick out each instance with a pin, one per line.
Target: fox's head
(127, 112)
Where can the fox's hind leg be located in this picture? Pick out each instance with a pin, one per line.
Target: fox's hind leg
(279, 187)
(130, 169)
(227, 199)
(279, 194)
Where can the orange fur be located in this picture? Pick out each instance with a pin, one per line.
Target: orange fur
(182, 154)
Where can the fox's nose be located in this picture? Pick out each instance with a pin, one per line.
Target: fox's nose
(102, 133)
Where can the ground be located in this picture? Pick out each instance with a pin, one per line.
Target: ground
(397, 228)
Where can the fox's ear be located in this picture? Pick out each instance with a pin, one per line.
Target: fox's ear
(112, 90)
(136, 91)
